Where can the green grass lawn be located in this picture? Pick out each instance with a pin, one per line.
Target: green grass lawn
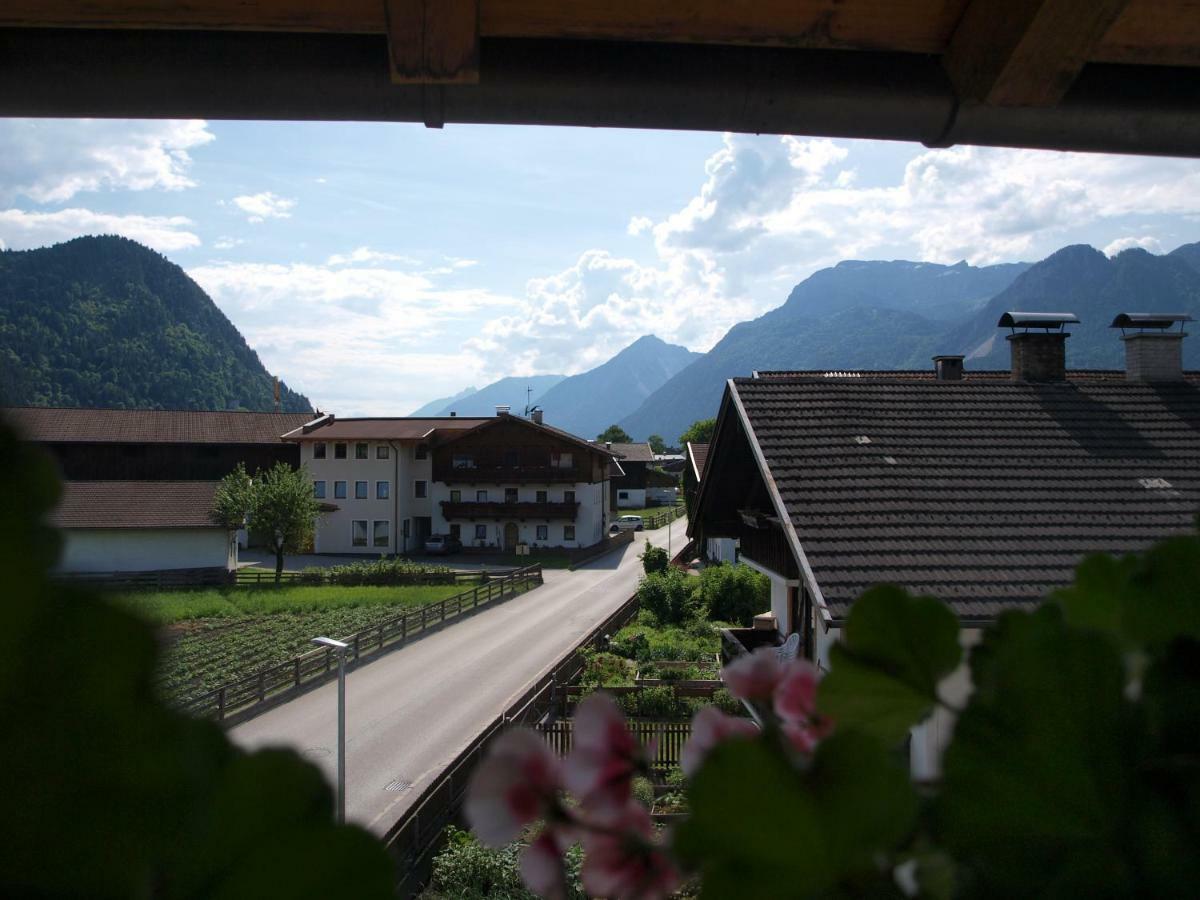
(646, 511)
(211, 637)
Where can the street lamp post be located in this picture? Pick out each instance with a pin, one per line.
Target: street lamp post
(340, 647)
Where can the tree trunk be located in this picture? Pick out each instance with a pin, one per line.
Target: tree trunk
(278, 564)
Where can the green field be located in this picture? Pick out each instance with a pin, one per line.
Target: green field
(645, 512)
(211, 637)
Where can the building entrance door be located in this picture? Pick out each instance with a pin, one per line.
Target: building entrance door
(510, 536)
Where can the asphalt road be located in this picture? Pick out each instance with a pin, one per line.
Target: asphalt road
(410, 713)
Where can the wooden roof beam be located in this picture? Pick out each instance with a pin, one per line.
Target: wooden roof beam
(1025, 52)
(433, 41)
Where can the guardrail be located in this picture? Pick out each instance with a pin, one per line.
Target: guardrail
(414, 839)
(242, 699)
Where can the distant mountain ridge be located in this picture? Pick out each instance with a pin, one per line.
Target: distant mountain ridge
(513, 392)
(435, 407)
(879, 334)
(106, 322)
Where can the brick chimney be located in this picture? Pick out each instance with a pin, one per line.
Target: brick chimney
(1153, 352)
(948, 368)
(1039, 353)
(536, 416)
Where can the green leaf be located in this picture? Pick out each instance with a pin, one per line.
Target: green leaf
(1140, 600)
(895, 649)
(759, 826)
(1037, 779)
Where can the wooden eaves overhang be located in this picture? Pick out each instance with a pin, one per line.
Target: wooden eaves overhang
(1111, 75)
(732, 417)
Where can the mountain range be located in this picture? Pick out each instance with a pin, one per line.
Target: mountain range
(106, 322)
(895, 315)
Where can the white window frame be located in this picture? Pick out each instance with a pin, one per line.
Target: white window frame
(366, 490)
(345, 490)
(382, 451)
(387, 533)
(318, 489)
(387, 490)
(366, 533)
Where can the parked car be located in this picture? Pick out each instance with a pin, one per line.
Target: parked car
(441, 544)
(627, 523)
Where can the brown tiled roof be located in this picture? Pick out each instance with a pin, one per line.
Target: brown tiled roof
(136, 504)
(629, 452)
(382, 429)
(930, 375)
(699, 457)
(149, 426)
(985, 494)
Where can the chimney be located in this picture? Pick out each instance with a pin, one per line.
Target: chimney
(1039, 353)
(502, 410)
(453, 414)
(536, 415)
(948, 368)
(1153, 352)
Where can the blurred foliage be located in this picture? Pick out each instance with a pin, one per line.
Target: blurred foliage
(108, 792)
(104, 321)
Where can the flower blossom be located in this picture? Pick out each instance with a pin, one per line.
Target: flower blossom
(516, 784)
(541, 864)
(710, 727)
(623, 861)
(605, 756)
(753, 677)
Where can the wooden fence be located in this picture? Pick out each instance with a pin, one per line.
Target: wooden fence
(171, 579)
(266, 579)
(669, 735)
(417, 836)
(658, 521)
(240, 700)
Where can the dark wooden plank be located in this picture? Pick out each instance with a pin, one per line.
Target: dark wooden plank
(433, 41)
(1025, 52)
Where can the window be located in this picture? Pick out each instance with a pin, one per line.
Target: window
(381, 534)
(568, 532)
(407, 528)
(422, 452)
(541, 496)
(358, 533)
(339, 490)
(456, 531)
(622, 495)
(568, 496)
(481, 496)
(543, 532)
(360, 490)
(462, 461)
(561, 460)
(361, 450)
(510, 495)
(319, 490)
(420, 489)
(381, 490)
(319, 450)
(339, 451)
(456, 496)
(480, 532)
(381, 451)
(512, 459)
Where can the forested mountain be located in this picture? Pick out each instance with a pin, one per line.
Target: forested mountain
(822, 329)
(104, 321)
(587, 403)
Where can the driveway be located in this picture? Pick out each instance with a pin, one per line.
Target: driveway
(410, 713)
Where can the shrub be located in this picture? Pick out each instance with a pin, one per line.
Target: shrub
(724, 701)
(734, 593)
(384, 571)
(654, 559)
(655, 703)
(467, 870)
(669, 595)
(645, 644)
(602, 669)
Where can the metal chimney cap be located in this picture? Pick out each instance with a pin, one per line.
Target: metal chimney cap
(1045, 320)
(1149, 320)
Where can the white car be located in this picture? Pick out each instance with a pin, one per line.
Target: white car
(627, 523)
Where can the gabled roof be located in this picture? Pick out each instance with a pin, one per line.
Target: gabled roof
(931, 375)
(642, 453)
(136, 504)
(697, 456)
(527, 423)
(407, 428)
(149, 426)
(984, 494)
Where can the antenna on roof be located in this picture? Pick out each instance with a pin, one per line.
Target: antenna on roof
(528, 399)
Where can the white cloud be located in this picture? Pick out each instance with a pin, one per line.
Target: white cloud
(366, 255)
(265, 205)
(772, 210)
(225, 242)
(358, 338)
(51, 160)
(21, 230)
(1146, 242)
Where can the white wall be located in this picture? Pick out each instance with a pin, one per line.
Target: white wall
(146, 549)
(779, 593)
(635, 498)
(721, 550)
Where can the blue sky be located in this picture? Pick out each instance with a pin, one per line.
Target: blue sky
(377, 266)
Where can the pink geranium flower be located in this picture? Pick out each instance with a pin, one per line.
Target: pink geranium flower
(753, 677)
(542, 865)
(710, 727)
(795, 695)
(605, 756)
(517, 783)
(623, 861)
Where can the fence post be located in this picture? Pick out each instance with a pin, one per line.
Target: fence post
(262, 686)
(297, 671)
(356, 637)
(221, 704)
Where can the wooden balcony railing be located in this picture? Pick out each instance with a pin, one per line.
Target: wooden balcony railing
(499, 510)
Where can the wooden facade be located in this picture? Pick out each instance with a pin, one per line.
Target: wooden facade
(514, 450)
(81, 461)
